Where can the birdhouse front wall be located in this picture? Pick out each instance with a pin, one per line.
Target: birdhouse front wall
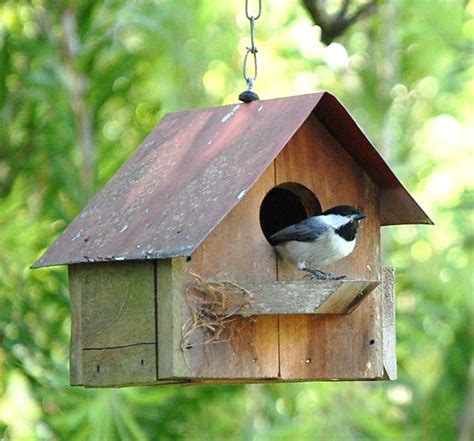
(302, 346)
(316, 160)
(334, 346)
(237, 250)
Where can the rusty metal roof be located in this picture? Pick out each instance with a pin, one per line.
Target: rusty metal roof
(195, 167)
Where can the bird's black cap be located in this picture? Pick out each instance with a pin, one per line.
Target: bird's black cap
(346, 210)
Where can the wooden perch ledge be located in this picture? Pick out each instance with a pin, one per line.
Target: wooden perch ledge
(247, 298)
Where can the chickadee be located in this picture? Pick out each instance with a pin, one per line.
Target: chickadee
(319, 240)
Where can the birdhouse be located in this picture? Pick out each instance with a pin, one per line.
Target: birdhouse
(173, 280)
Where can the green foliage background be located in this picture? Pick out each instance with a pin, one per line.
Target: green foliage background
(406, 74)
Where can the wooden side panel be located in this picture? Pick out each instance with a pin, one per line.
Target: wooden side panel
(113, 338)
(237, 250)
(120, 366)
(388, 318)
(75, 351)
(171, 286)
(333, 347)
(117, 304)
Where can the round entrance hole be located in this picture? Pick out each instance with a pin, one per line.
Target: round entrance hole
(285, 205)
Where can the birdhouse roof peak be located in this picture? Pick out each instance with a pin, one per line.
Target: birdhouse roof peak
(195, 166)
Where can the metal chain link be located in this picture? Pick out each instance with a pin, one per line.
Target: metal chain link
(250, 79)
(247, 10)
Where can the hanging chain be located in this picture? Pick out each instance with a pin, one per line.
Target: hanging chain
(250, 79)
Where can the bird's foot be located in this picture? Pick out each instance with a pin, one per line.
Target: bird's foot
(321, 275)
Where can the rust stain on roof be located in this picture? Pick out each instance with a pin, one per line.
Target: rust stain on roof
(195, 167)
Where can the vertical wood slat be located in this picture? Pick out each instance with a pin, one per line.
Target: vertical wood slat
(235, 250)
(171, 276)
(333, 347)
(117, 303)
(388, 329)
(75, 352)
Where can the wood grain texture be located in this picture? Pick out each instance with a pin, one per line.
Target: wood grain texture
(331, 348)
(237, 250)
(171, 275)
(316, 160)
(75, 351)
(125, 366)
(298, 297)
(326, 346)
(388, 327)
(113, 317)
(117, 303)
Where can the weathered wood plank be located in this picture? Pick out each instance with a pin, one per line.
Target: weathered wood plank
(333, 347)
(297, 297)
(238, 250)
(117, 303)
(123, 366)
(171, 275)
(347, 297)
(75, 351)
(388, 328)
(326, 347)
(316, 160)
(113, 317)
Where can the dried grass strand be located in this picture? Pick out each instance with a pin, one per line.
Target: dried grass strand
(208, 304)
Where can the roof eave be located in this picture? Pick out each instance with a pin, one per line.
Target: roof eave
(184, 252)
(397, 205)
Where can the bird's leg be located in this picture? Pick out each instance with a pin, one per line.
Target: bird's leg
(321, 275)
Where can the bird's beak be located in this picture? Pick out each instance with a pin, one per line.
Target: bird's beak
(360, 217)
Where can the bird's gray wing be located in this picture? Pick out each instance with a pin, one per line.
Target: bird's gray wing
(307, 230)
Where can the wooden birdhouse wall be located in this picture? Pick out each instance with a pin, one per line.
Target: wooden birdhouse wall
(131, 320)
(291, 347)
(333, 346)
(113, 333)
(237, 250)
(315, 159)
